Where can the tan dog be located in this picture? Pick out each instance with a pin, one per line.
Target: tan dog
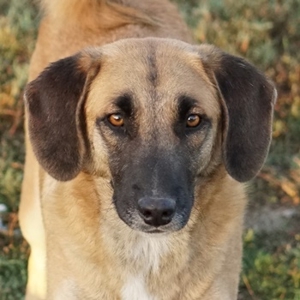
(140, 146)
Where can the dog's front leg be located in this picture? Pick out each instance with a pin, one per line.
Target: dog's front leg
(32, 227)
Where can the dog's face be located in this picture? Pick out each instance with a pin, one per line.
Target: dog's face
(157, 123)
(154, 116)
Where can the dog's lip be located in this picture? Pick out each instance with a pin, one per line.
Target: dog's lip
(150, 229)
(156, 230)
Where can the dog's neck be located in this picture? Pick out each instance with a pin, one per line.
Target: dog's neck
(144, 263)
(143, 258)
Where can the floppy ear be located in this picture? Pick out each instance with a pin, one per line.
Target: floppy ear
(248, 98)
(56, 121)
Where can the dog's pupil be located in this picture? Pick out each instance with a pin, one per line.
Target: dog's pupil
(193, 120)
(116, 120)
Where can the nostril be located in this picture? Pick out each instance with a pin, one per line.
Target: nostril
(147, 214)
(167, 213)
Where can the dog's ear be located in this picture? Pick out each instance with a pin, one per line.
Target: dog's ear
(55, 112)
(248, 99)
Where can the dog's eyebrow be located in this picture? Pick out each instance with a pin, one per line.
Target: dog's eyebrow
(125, 103)
(185, 103)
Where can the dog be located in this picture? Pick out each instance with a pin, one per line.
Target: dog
(137, 150)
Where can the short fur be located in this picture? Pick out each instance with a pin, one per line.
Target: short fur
(84, 177)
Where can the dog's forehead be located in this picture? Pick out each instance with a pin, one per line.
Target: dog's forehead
(152, 70)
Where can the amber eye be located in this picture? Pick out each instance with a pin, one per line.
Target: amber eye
(116, 120)
(193, 120)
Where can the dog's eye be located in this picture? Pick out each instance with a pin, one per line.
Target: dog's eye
(193, 120)
(116, 120)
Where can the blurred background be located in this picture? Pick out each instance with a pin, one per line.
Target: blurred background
(267, 33)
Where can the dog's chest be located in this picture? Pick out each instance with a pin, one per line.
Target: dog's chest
(135, 289)
(147, 254)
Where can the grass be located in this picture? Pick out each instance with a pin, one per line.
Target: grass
(267, 32)
(271, 266)
(18, 24)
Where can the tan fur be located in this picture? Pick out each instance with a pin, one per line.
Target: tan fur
(81, 249)
(89, 13)
(62, 32)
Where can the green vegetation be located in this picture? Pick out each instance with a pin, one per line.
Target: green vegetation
(266, 32)
(18, 25)
(271, 266)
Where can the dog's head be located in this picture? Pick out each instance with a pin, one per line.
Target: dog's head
(153, 116)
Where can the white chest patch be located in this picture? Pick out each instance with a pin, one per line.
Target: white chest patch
(149, 251)
(135, 289)
(146, 253)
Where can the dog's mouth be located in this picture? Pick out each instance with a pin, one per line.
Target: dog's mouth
(139, 226)
(154, 231)
(150, 229)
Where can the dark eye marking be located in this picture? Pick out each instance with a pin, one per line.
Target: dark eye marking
(121, 119)
(124, 103)
(185, 104)
(123, 110)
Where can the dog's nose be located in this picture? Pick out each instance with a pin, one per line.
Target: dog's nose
(156, 211)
